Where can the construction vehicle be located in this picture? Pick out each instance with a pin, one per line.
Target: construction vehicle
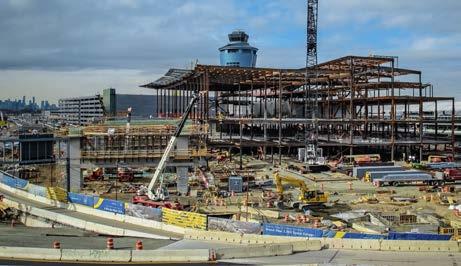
(3, 120)
(156, 194)
(95, 175)
(439, 158)
(306, 196)
(125, 174)
(222, 156)
(439, 162)
(452, 175)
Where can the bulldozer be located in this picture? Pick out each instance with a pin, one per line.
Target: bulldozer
(307, 197)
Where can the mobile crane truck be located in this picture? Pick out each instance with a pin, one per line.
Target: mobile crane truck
(156, 194)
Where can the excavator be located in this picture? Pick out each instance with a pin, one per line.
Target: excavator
(3, 120)
(156, 194)
(306, 196)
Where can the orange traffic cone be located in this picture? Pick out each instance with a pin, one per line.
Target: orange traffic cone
(139, 245)
(56, 245)
(110, 243)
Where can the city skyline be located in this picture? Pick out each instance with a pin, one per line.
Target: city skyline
(124, 44)
(26, 103)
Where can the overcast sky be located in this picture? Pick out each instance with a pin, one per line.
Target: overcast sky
(62, 48)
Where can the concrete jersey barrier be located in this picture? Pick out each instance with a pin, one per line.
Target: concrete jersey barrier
(178, 256)
(30, 253)
(92, 255)
(254, 251)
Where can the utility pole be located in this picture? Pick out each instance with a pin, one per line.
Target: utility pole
(68, 165)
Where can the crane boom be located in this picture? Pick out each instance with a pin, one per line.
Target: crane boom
(157, 195)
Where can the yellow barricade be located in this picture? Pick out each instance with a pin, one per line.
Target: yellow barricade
(184, 219)
(340, 234)
(56, 193)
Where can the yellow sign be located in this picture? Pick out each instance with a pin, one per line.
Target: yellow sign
(184, 219)
(56, 193)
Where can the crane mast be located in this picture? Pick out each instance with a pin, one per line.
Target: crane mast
(311, 131)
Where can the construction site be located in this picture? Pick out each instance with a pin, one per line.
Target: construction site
(337, 149)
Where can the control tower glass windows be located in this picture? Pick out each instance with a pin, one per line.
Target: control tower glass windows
(238, 53)
(234, 64)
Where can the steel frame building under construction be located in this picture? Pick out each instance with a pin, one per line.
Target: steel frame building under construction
(348, 105)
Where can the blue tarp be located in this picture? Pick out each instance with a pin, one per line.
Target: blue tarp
(363, 236)
(109, 205)
(14, 182)
(286, 230)
(329, 233)
(416, 236)
(81, 199)
(36, 190)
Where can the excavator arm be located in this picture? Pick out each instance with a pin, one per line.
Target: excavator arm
(279, 180)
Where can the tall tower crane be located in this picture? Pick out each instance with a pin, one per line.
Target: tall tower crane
(311, 133)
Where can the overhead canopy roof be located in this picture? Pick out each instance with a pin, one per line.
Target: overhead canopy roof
(224, 77)
(173, 75)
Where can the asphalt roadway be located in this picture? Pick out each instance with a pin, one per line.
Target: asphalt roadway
(22, 236)
(354, 257)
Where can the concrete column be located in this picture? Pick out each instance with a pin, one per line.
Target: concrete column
(183, 179)
(76, 179)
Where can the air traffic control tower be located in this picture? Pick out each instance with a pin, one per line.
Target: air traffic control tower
(238, 53)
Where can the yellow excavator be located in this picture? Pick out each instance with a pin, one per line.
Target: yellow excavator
(307, 197)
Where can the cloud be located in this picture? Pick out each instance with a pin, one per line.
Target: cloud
(56, 36)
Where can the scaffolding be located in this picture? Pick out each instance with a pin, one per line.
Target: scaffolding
(143, 142)
(362, 104)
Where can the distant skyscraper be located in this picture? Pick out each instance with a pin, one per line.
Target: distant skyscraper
(24, 100)
(238, 52)
(33, 100)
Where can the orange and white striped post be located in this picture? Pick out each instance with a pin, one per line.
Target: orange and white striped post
(110, 243)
